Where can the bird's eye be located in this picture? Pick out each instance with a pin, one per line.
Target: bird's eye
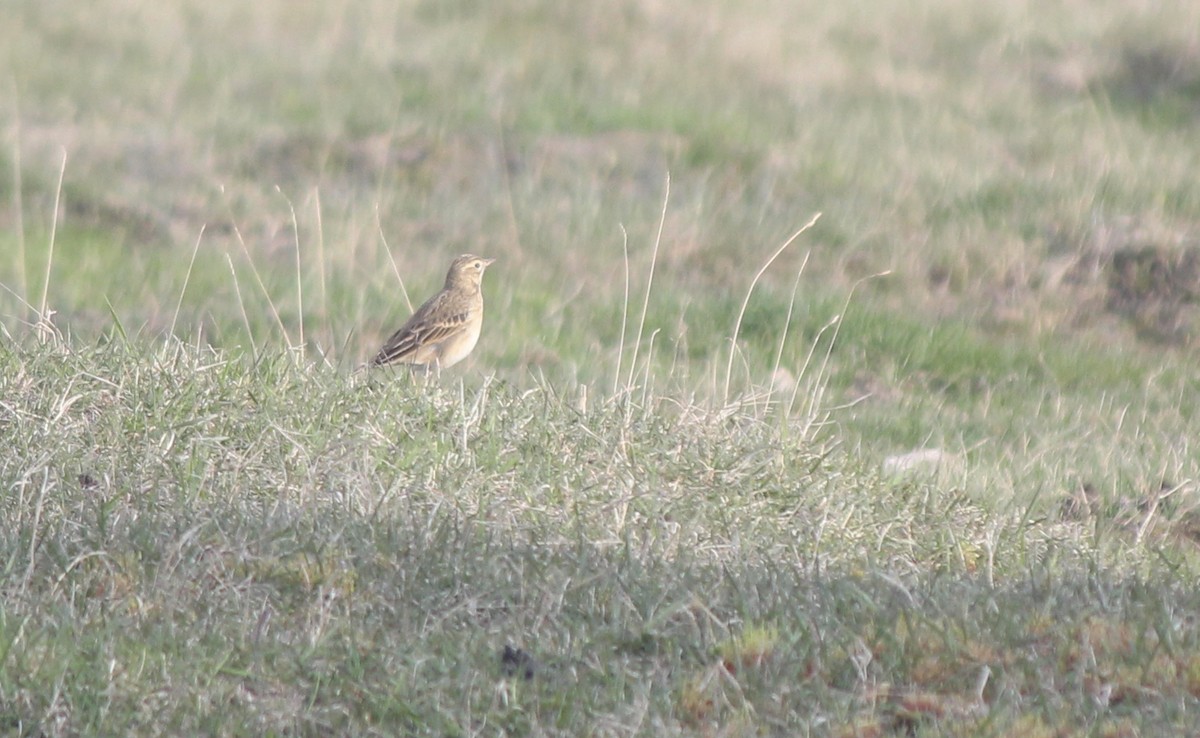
(479, 265)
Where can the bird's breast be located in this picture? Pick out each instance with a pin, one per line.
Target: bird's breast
(456, 348)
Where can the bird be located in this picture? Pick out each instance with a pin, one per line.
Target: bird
(446, 327)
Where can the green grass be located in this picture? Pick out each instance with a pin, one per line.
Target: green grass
(273, 546)
(213, 526)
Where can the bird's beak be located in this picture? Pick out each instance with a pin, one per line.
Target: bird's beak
(488, 262)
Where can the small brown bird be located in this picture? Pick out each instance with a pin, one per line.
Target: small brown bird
(444, 330)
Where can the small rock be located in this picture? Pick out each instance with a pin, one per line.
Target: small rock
(782, 381)
(922, 460)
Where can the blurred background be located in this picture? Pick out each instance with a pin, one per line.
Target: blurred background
(1025, 170)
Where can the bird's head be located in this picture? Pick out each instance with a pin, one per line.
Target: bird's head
(467, 270)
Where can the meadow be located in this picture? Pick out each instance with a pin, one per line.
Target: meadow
(837, 375)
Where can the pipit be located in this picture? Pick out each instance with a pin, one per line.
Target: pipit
(444, 330)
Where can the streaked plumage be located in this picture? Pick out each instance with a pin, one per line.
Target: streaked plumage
(446, 328)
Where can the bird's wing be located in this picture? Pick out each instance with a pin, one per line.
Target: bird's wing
(421, 331)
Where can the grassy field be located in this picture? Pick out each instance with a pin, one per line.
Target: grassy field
(931, 474)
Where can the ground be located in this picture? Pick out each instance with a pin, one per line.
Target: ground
(931, 473)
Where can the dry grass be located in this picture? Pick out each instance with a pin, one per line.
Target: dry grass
(205, 544)
(213, 529)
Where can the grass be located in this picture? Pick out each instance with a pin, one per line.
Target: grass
(200, 543)
(661, 505)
